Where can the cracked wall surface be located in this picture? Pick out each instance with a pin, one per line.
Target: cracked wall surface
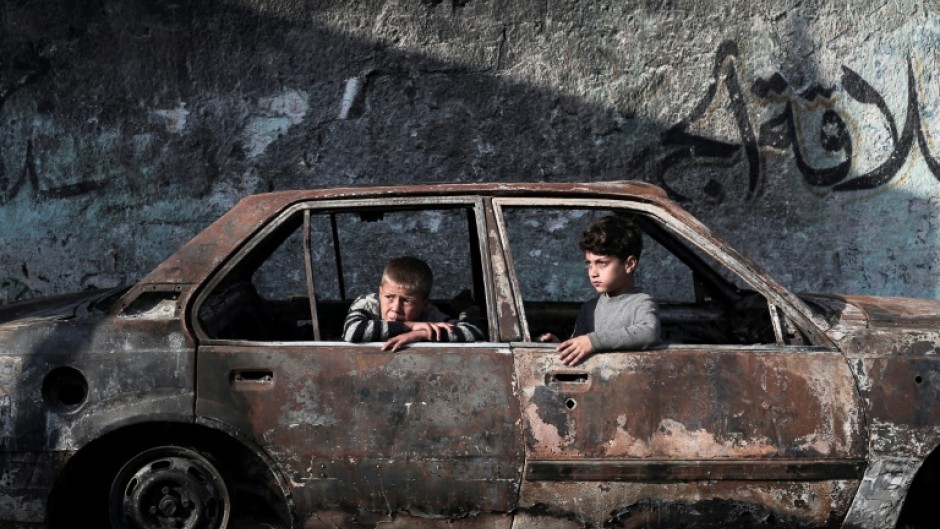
(801, 131)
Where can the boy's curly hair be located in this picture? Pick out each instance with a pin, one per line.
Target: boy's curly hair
(613, 235)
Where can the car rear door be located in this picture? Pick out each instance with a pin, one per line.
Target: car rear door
(363, 434)
(762, 426)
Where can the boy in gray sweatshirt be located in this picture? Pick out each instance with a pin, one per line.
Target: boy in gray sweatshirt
(621, 318)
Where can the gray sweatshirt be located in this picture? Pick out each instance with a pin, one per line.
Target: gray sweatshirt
(624, 322)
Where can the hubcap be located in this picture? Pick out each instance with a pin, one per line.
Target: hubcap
(169, 488)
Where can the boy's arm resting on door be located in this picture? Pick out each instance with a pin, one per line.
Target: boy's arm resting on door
(362, 323)
(461, 331)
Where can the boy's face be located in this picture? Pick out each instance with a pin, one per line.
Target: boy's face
(400, 303)
(609, 274)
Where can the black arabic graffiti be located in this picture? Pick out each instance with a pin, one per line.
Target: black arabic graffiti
(680, 145)
(685, 146)
(863, 92)
(780, 131)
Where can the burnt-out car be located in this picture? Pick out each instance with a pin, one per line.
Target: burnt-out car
(218, 392)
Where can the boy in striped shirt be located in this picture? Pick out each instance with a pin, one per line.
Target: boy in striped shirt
(400, 313)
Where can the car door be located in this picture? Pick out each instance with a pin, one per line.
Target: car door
(744, 414)
(425, 435)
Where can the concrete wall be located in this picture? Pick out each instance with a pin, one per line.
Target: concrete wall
(803, 131)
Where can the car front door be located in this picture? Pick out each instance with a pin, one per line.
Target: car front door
(738, 419)
(420, 437)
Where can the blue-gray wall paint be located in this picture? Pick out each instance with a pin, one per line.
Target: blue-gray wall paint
(803, 132)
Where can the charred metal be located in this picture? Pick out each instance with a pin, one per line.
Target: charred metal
(217, 393)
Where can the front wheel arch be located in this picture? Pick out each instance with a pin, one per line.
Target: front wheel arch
(919, 509)
(256, 487)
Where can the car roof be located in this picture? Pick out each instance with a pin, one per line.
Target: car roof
(615, 189)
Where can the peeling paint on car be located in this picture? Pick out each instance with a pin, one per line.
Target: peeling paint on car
(831, 417)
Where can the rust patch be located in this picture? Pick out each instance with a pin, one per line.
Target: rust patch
(692, 404)
(508, 320)
(593, 504)
(428, 429)
(672, 438)
(903, 396)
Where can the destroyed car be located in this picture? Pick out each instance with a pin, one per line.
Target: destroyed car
(217, 391)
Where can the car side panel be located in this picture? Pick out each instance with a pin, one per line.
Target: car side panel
(428, 430)
(770, 431)
(134, 371)
(899, 378)
(706, 504)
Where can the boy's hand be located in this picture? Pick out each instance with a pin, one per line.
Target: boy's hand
(547, 337)
(431, 330)
(396, 342)
(421, 331)
(572, 351)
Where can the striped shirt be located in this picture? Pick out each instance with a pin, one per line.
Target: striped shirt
(364, 323)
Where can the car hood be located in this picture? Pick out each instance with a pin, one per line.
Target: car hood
(62, 306)
(875, 311)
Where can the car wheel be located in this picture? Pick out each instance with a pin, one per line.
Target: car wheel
(169, 486)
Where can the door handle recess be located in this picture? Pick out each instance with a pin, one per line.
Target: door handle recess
(252, 376)
(568, 382)
(567, 378)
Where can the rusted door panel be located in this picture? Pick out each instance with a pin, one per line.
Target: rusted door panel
(749, 422)
(426, 430)
(690, 404)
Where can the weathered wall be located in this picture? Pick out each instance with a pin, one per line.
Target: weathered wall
(803, 131)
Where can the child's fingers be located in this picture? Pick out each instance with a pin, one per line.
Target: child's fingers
(437, 327)
(565, 351)
(395, 343)
(571, 351)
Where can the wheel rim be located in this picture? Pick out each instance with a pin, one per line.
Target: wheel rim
(169, 487)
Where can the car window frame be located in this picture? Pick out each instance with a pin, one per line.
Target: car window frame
(221, 272)
(781, 302)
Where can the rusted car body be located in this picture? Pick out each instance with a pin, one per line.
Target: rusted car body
(195, 399)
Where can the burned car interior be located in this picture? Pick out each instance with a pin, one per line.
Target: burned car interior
(312, 255)
(699, 301)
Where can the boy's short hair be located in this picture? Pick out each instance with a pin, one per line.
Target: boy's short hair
(410, 272)
(613, 235)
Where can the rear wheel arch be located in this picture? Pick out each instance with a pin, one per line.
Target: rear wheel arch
(256, 487)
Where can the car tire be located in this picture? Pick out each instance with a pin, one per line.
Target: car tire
(169, 486)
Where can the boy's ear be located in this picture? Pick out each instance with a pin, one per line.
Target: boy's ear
(629, 264)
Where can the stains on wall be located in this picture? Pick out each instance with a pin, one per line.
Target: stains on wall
(800, 132)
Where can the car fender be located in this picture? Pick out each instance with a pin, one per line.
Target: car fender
(881, 493)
